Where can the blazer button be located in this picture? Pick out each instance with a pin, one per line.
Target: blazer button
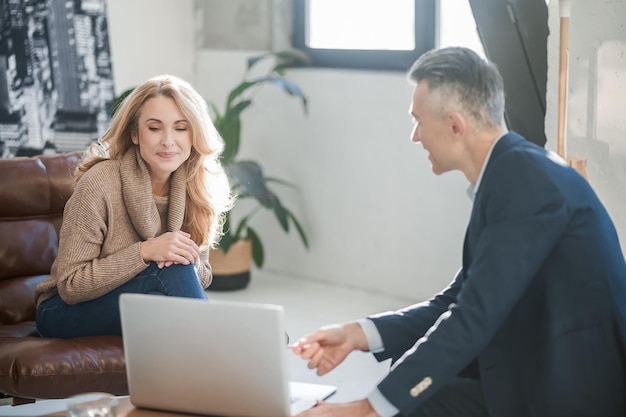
(421, 386)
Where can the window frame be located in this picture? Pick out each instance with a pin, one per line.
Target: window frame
(425, 38)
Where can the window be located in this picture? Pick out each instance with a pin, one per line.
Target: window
(364, 34)
(457, 26)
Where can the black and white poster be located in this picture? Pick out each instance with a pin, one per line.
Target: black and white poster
(56, 81)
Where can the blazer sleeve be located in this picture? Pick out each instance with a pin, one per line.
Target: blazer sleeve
(399, 330)
(516, 222)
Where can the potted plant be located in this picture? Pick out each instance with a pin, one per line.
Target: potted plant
(246, 176)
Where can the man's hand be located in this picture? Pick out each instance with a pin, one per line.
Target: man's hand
(360, 408)
(329, 346)
(170, 248)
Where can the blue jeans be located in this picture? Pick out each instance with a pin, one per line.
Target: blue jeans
(101, 316)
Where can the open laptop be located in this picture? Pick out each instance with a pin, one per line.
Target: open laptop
(219, 358)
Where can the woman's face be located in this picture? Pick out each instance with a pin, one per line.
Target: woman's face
(164, 137)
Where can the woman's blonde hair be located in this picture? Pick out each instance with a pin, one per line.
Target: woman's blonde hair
(208, 192)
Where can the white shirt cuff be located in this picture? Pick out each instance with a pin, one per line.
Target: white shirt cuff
(381, 405)
(374, 341)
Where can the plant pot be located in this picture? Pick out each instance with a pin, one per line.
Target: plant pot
(231, 270)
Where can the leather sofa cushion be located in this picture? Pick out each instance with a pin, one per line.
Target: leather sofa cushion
(28, 246)
(36, 186)
(34, 192)
(16, 299)
(58, 366)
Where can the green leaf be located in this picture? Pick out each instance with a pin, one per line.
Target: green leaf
(292, 56)
(230, 131)
(299, 228)
(290, 88)
(236, 92)
(281, 182)
(242, 224)
(229, 127)
(227, 238)
(255, 59)
(284, 59)
(281, 215)
(258, 254)
(226, 241)
(246, 178)
(235, 112)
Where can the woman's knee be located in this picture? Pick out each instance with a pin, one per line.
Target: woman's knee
(179, 272)
(181, 280)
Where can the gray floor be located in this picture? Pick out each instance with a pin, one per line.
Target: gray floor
(308, 305)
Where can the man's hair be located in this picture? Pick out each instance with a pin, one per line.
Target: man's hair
(461, 80)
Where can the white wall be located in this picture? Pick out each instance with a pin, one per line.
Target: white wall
(151, 37)
(377, 218)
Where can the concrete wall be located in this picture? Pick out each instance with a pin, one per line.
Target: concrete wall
(596, 111)
(377, 218)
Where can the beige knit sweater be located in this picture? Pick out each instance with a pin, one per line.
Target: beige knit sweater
(110, 212)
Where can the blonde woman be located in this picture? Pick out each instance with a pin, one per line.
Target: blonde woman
(148, 203)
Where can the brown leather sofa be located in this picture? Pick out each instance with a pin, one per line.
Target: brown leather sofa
(33, 192)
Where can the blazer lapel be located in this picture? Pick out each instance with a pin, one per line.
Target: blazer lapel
(506, 142)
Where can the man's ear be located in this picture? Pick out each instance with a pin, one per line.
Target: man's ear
(457, 123)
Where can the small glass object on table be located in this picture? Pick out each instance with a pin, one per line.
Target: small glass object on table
(92, 404)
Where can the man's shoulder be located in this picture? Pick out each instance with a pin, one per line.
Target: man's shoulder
(513, 150)
(514, 142)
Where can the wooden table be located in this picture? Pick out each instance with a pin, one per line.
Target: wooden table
(126, 409)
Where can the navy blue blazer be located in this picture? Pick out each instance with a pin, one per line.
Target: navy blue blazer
(539, 304)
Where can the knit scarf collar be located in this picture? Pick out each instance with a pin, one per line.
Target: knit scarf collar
(137, 193)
